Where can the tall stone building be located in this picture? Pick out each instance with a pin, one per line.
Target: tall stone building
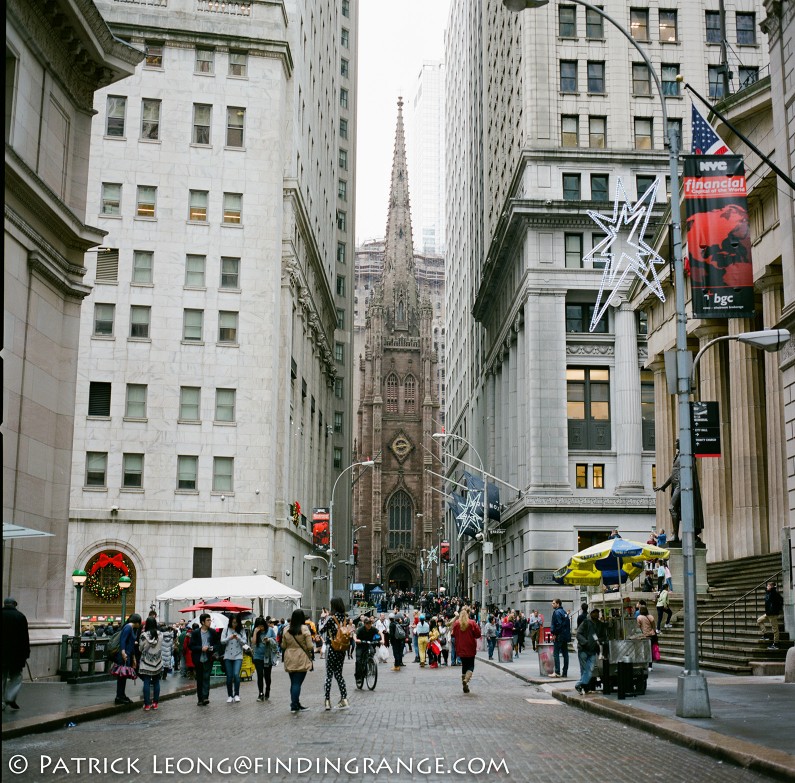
(396, 499)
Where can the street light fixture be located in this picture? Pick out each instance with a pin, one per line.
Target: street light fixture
(125, 583)
(78, 580)
(692, 697)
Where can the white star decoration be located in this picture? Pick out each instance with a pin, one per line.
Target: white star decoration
(433, 557)
(643, 262)
(469, 519)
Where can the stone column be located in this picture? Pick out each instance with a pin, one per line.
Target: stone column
(715, 475)
(504, 449)
(512, 419)
(490, 434)
(521, 404)
(626, 414)
(664, 439)
(749, 480)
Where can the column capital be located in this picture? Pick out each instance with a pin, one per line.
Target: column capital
(773, 280)
(707, 332)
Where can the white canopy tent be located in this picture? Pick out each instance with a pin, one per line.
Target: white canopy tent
(254, 586)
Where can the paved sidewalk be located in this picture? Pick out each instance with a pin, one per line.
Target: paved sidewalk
(752, 723)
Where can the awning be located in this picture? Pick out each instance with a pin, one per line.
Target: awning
(255, 586)
(17, 531)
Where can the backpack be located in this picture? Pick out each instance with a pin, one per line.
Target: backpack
(342, 639)
(398, 634)
(114, 645)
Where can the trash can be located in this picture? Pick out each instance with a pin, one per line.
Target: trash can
(546, 660)
(505, 650)
(624, 679)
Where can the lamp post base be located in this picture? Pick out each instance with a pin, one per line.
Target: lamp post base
(692, 697)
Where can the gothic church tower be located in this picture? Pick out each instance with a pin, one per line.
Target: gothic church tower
(397, 412)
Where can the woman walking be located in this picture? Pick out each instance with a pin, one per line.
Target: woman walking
(264, 647)
(233, 639)
(150, 645)
(663, 608)
(297, 649)
(335, 656)
(649, 629)
(124, 662)
(491, 636)
(466, 632)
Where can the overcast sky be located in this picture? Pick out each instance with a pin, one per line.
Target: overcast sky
(395, 36)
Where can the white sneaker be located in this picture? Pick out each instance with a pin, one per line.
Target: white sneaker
(229, 700)
(237, 698)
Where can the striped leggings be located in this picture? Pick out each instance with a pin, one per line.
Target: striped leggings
(334, 661)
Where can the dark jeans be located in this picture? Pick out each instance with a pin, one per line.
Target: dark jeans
(397, 651)
(492, 643)
(296, 680)
(151, 687)
(467, 665)
(661, 610)
(263, 676)
(203, 679)
(121, 684)
(561, 648)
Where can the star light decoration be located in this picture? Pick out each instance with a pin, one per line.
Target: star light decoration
(433, 555)
(469, 518)
(643, 262)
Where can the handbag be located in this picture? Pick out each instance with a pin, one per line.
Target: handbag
(655, 651)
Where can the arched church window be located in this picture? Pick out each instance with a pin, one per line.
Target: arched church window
(391, 393)
(400, 512)
(400, 233)
(409, 394)
(401, 311)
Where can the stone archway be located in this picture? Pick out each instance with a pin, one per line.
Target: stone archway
(400, 577)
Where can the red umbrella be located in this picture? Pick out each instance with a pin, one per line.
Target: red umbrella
(224, 605)
(195, 608)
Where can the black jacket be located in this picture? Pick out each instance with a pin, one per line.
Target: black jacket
(195, 645)
(16, 641)
(774, 603)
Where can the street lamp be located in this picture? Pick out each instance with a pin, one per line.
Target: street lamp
(692, 696)
(312, 584)
(125, 583)
(484, 534)
(368, 463)
(78, 580)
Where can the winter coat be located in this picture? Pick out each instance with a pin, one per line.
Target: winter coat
(297, 651)
(127, 645)
(151, 649)
(168, 649)
(465, 640)
(16, 640)
(561, 629)
(774, 603)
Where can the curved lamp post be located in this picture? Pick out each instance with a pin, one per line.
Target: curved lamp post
(125, 583)
(313, 580)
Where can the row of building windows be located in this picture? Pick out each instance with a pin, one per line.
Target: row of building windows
(141, 319)
(146, 204)
(204, 60)
(152, 122)
(409, 393)
(600, 186)
(597, 131)
(143, 266)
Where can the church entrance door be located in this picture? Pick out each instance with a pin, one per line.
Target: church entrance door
(400, 578)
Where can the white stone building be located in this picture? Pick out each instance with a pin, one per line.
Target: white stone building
(214, 375)
(561, 413)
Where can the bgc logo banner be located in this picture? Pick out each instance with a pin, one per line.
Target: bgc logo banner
(718, 236)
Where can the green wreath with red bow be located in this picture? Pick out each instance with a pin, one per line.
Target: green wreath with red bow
(106, 592)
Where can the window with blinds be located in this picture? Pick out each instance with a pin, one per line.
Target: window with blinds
(99, 398)
(108, 264)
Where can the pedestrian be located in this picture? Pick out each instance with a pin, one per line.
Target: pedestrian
(774, 606)
(490, 632)
(649, 630)
(398, 635)
(339, 638)
(520, 625)
(583, 615)
(668, 580)
(187, 656)
(16, 651)
(466, 632)
(663, 608)
(422, 630)
(534, 623)
(203, 646)
(168, 649)
(660, 575)
(298, 651)
(561, 636)
(433, 642)
(588, 633)
(444, 637)
(150, 646)
(662, 539)
(263, 642)
(234, 641)
(124, 665)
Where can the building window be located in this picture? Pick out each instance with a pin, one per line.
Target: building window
(596, 77)
(150, 119)
(143, 261)
(225, 404)
(341, 252)
(197, 206)
(103, 319)
(588, 404)
(99, 398)
(146, 203)
(194, 271)
(192, 325)
(639, 23)
(343, 160)
(643, 133)
(227, 326)
(205, 60)
(346, 7)
(345, 38)
(647, 408)
(571, 187)
(135, 404)
(570, 130)
(233, 205)
(567, 21)
(597, 132)
(747, 75)
(581, 476)
(340, 318)
(668, 26)
(139, 322)
(133, 471)
(117, 109)
(111, 199)
(342, 219)
(108, 264)
(235, 125)
(339, 352)
(670, 86)
(715, 78)
(343, 128)
(573, 250)
(339, 388)
(746, 28)
(223, 472)
(189, 403)
(343, 98)
(643, 323)
(391, 397)
(154, 54)
(409, 394)
(641, 79)
(643, 182)
(598, 479)
(342, 190)
(337, 457)
(568, 76)
(712, 20)
(599, 187)
(578, 319)
(344, 67)
(340, 285)
(339, 418)
(202, 122)
(187, 472)
(238, 64)
(594, 25)
(230, 272)
(202, 562)
(96, 468)
(400, 513)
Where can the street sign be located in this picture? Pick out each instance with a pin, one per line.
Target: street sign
(705, 423)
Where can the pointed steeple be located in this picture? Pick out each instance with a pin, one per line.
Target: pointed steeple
(400, 294)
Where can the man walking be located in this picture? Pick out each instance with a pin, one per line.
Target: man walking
(534, 623)
(588, 632)
(774, 606)
(16, 651)
(561, 636)
(203, 642)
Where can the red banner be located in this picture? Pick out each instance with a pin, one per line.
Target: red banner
(320, 528)
(445, 551)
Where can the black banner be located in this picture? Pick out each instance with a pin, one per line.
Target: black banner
(718, 237)
(320, 531)
(705, 424)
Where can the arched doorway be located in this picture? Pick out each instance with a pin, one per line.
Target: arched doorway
(400, 578)
(101, 595)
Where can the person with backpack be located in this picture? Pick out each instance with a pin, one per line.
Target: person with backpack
(338, 638)
(150, 644)
(397, 633)
(124, 662)
(561, 636)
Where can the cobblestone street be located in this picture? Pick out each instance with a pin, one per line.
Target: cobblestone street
(504, 729)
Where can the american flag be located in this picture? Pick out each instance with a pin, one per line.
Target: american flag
(705, 140)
